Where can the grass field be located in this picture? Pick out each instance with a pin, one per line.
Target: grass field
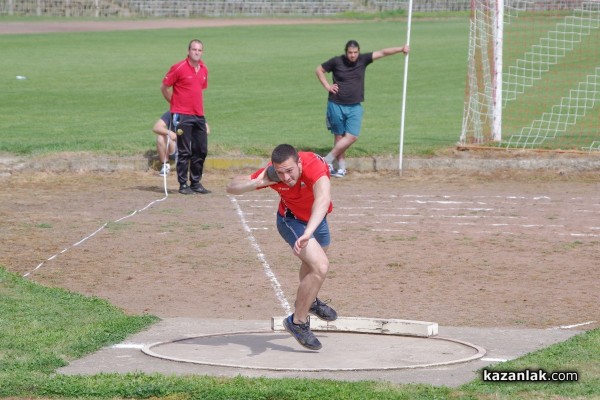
(99, 91)
(43, 329)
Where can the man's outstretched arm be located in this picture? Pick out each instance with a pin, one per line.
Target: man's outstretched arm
(390, 51)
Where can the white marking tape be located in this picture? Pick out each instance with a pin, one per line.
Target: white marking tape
(94, 233)
(267, 268)
(494, 359)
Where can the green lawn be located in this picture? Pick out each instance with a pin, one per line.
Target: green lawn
(42, 329)
(99, 91)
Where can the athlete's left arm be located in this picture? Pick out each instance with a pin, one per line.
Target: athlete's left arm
(322, 195)
(322, 199)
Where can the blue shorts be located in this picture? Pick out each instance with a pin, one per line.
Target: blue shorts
(291, 229)
(344, 118)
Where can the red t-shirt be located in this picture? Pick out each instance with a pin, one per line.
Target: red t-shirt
(299, 199)
(187, 87)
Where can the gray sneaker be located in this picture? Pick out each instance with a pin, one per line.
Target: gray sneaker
(302, 333)
(322, 310)
(166, 168)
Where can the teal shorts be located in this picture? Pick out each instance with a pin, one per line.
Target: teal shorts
(343, 118)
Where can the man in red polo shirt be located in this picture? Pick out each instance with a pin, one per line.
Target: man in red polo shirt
(182, 87)
(302, 181)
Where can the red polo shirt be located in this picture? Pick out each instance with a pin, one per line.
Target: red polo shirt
(187, 87)
(300, 198)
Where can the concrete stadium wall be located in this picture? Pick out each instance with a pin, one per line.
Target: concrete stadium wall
(214, 8)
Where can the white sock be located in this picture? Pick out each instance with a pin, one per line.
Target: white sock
(329, 158)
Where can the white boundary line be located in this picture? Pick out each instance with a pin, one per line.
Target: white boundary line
(573, 326)
(261, 257)
(128, 346)
(96, 231)
(148, 349)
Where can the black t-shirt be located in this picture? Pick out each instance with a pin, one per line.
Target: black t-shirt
(349, 76)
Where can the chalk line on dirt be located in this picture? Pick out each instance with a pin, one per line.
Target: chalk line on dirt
(261, 257)
(93, 234)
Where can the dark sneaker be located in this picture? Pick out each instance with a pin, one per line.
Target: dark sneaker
(198, 188)
(340, 173)
(322, 310)
(331, 169)
(185, 189)
(302, 333)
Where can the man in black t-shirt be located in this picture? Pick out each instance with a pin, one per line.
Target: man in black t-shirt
(346, 93)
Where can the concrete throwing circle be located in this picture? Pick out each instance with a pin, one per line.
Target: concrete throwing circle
(342, 351)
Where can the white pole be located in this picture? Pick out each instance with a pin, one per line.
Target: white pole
(404, 88)
(498, 56)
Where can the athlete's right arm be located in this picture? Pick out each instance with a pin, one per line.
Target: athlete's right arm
(244, 183)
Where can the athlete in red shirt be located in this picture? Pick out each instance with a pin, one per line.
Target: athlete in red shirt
(303, 183)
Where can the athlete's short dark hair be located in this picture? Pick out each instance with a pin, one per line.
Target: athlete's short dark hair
(283, 152)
